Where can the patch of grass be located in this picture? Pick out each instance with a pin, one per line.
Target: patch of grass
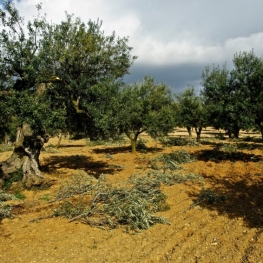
(19, 195)
(45, 197)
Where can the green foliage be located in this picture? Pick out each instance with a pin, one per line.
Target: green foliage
(45, 197)
(19, 195)
(234, 98)
(145, 107)
(209, 197)
(59, 77)
(191, 111)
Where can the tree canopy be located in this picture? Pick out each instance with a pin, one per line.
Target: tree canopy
(234, 98)
(146, 107)
(54, 74)
(191, 111)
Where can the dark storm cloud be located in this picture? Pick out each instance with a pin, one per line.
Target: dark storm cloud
(178, 77)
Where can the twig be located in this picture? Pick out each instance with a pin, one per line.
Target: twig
(89, 209)
(40, 218)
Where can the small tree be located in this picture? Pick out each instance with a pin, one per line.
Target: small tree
(191, 111)
(145, 107)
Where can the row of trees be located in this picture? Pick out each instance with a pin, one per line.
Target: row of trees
(230, 99)
(67, 78)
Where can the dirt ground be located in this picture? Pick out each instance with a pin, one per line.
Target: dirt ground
(227, 231)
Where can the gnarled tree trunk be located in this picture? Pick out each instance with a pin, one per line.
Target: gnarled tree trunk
(26, 156)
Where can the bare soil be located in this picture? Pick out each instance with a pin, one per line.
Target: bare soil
(227, 231)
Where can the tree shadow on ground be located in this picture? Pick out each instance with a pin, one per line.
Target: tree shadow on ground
(215, 155)
(79, 162)
(243, 199)
(124, 149)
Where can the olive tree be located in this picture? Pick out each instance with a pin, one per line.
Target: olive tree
(233, 98)
(50, 76)
(145, 106)
(248, 83)
(191, 111)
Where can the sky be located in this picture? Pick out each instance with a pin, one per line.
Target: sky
(173, 39)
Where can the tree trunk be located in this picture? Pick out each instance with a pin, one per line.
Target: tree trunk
(236, 133)
(189, 129)
(133, 137)
(198, 134)
(260, 125)
(133, 145)
(59, 140)
(230, 134)
(25, 156)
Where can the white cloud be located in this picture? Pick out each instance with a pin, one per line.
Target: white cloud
(167, 33)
